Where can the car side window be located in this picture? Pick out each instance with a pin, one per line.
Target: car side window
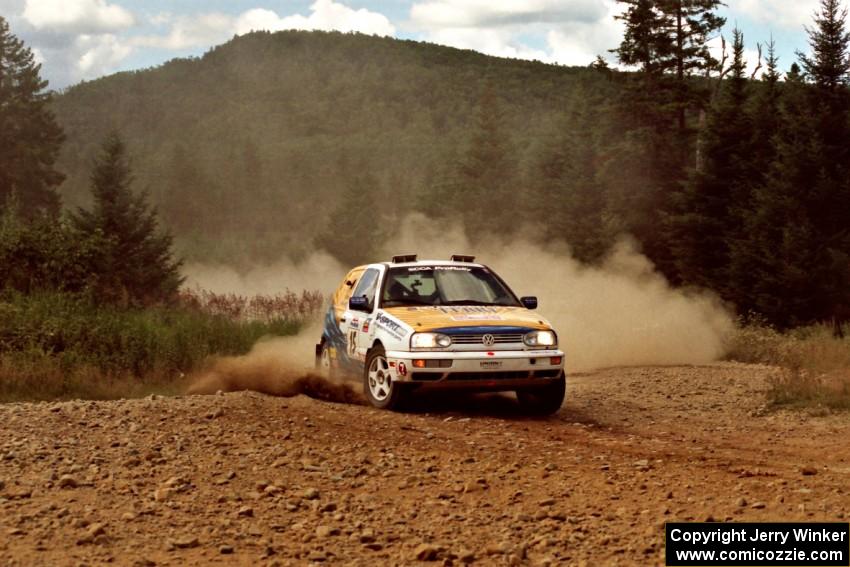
(345, 289)
(367, 286)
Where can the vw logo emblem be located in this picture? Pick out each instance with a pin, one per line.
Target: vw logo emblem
(488, 340)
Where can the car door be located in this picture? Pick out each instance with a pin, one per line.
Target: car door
(354, 321)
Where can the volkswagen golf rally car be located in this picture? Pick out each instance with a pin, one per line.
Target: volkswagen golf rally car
(411, 325)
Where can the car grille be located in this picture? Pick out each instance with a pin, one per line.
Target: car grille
(499, 338)
(498, 375)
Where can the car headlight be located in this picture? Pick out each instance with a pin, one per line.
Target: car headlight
(430, 340)
(540, 339)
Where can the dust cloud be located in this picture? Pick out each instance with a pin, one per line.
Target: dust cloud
(319, 271)
(619, 313)
(280, 366)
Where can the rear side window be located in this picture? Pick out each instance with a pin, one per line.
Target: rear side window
(367, 286)
(340, 298)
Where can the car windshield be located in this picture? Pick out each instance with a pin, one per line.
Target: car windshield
(445, 285)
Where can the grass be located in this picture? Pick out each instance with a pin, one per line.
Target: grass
(815, 365)
(59, 346)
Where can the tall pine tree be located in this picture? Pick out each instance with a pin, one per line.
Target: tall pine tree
(764, 114)
(705, 224)
(481, 185)
(765, 119)
(568, 193)
(30, 137)
(689, 25)
(135, 264)
(667, 40)
(798, 239)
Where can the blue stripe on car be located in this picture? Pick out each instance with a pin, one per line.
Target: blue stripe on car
(482, 330)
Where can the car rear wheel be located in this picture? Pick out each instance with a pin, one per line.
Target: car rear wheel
(323, 361)
(543, 400)
(378, 385)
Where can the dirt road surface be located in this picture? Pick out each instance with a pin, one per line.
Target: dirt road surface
(249, 479)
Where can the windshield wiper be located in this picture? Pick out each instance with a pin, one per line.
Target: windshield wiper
(470, 302)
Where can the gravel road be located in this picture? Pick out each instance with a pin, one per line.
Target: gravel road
(245, 478)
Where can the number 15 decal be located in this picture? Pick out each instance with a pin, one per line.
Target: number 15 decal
(352, 342)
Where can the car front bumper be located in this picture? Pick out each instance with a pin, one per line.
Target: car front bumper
(480, 370)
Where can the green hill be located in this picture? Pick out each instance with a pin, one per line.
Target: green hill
(247, 150)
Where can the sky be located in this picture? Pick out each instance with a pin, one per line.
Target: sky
(78, 40)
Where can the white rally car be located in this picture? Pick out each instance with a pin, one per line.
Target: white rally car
(421, 325)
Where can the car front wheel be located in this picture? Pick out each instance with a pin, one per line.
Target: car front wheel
(378, 385)
(543, 400)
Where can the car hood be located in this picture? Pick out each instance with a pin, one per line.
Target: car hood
(423, 319)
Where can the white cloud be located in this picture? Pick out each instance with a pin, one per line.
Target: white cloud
(324, 15)
(77, 16)
(486, 13)
(208, 29)
(496, 42)
(575, 32)
(98, 54)
(191, 31)
(579, 44)
(793, 14)
(86, 56)
(160, 18)
(74, 39)
(11, 7)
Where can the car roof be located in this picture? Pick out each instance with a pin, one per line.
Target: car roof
(418, 263)
(432, 263)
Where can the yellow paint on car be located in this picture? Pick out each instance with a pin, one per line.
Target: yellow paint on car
(429, 318)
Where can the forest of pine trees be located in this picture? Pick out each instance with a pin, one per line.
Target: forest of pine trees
(730, 180)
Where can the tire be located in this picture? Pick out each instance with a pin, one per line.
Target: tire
(378, 386)
(323, 362)
(544, 400)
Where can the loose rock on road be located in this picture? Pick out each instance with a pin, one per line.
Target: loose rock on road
(250, 479)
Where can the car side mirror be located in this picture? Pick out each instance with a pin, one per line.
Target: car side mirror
(529, 302)
(358, 303)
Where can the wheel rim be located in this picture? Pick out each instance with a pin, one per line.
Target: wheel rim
(380, 381)
(325, 361)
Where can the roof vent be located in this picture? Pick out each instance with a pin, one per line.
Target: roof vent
(461, 258)
(404, 258)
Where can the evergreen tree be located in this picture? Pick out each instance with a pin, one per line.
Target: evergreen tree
(690, 24)
(44, 253)
(355, 232)
(766, 120)
(779, 250)
(479, 184)
(599, 64)
(643, 38)
(667, 41)
(828, 68)
(135, 264)
(569, 195)
(765, 116)
(30, 137)
(486, 177)
(798, 238)
(705, 225)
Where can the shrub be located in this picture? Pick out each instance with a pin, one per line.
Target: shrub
(60, 345)
(286, 305)
(815, 364)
